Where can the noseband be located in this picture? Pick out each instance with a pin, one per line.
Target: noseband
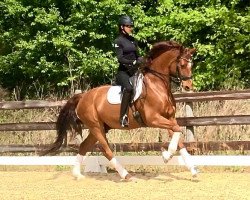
(178, 78)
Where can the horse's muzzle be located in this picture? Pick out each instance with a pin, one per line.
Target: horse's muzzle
(187, 86)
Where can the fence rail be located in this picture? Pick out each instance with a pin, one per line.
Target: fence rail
(212, 96)
(189, 121)
(179, 97)
(200, 147)
(183, 121)
(182, 97)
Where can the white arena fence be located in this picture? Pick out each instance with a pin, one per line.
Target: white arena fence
(99, 163)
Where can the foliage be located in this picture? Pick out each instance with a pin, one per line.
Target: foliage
(52, 47)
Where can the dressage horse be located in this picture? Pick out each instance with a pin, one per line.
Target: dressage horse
(156, 105)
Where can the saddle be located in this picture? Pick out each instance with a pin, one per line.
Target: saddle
(114, 95)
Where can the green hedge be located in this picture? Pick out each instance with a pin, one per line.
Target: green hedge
(54, 46)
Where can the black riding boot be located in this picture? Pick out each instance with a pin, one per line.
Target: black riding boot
(126, 97)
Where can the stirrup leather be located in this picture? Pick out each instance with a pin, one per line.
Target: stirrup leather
(124, 121)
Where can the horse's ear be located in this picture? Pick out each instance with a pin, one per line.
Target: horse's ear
(192, 51)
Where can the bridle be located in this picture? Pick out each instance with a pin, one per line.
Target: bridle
(178, 78)
(175, 78)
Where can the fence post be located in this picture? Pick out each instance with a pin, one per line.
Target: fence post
(93, 165)
(189, 129)
(78, 91)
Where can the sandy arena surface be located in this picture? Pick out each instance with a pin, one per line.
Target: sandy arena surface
(37, 185)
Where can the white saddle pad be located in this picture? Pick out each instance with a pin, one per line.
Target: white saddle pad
(114, 94)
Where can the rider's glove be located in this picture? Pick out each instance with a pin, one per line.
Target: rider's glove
(138, 61)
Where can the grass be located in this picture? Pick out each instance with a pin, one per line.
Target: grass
(222, 108)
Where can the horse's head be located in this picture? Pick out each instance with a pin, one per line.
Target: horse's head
(183, 69)
(172, 60)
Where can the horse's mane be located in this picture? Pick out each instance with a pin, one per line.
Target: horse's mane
(161, 47)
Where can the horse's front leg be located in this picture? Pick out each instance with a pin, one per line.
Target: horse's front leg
(172, 147)
(184, 154)
(188, 162)
(175, 133)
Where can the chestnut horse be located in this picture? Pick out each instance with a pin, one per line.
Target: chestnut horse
(156, 106)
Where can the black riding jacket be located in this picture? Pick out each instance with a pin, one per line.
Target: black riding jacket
(126, 51)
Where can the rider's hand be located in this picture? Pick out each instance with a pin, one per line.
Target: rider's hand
(139, 61)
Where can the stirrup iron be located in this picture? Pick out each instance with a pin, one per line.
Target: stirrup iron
(124, 121)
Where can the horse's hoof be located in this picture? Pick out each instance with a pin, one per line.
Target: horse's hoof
(166, 160)
(131, 178)
(77, 174)
(166, 156)
(194, 172)
(80, 177)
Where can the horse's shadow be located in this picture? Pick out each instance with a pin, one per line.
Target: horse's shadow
(114, 177)
(175, 177)
(163, 177)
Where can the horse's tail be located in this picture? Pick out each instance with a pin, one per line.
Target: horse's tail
(67, 119)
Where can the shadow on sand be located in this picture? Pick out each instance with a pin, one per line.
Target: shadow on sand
(114, 177)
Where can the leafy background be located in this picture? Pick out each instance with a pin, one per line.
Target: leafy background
(52, 47)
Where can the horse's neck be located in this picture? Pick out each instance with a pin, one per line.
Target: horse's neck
(157, 84)
(157, 80)
(157, 93)
(163, 63)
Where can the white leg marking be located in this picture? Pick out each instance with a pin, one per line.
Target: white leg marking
(167, 155)
(77, 166)
(174, 142)
(122, 172)
(188, 162)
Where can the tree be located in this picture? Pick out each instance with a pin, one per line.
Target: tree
(53, 47)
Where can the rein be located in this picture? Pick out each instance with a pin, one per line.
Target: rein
(158, 74)
(177, 79)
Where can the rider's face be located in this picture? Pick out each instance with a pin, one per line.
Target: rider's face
(128, 29)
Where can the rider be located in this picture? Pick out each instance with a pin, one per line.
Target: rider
(126, 51)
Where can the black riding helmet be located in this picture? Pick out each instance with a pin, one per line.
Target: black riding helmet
(126, 21)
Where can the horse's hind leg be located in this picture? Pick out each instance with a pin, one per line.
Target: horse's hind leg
(85, 146)
(101, 137)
